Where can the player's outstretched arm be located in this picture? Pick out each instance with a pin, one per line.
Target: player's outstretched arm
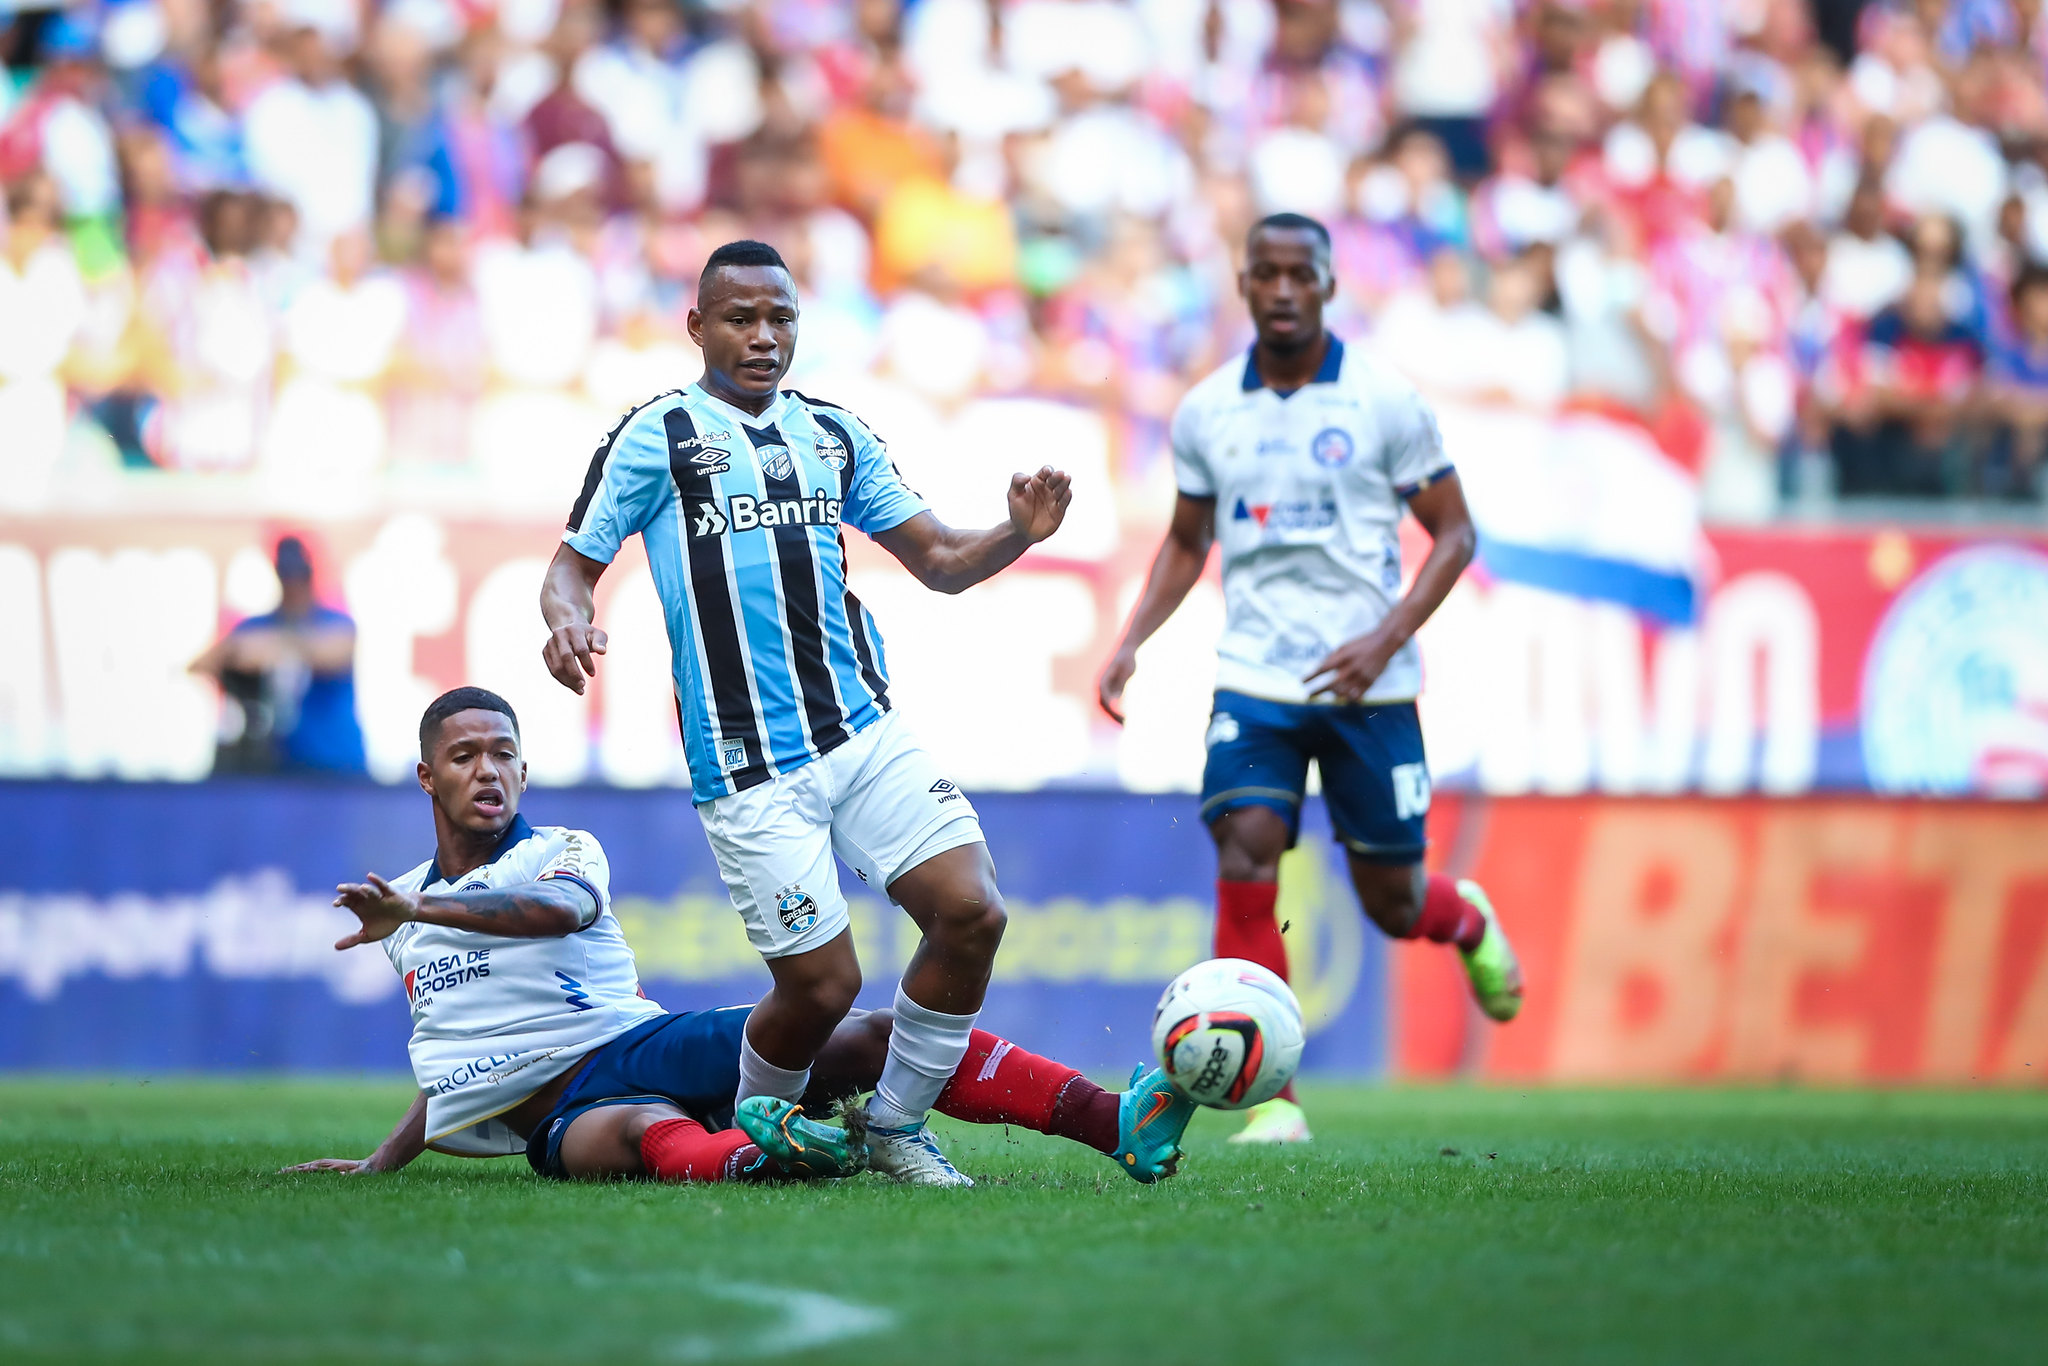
(568, 603)
(949, 561)
(405, 1142)
(547, 909)
(1175, 570)
(1347, 671)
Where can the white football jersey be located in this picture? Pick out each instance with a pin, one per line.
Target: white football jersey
(1309, 491)
(495, 1019)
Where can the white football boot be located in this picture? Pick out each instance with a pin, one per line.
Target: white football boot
(911, 1155)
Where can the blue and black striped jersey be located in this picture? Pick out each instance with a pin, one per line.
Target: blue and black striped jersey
(776, 661)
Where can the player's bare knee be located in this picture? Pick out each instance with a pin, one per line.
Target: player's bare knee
(638, 1120)
(817, 986)
(1235, 863)
(1248, 855)
(993, 921)
(833, 995)
(973, 923)
(604, 1144)
(1249, 843)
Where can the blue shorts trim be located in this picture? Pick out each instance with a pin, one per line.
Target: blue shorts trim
(689, 1060)
(1375, 777)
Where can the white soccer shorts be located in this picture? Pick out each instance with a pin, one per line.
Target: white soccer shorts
(878, 800)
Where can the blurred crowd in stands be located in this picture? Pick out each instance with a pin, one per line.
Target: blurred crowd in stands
(331, 242)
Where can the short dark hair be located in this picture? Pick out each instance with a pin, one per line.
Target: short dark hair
(1290, 222)
(453, 701)
(745, 252)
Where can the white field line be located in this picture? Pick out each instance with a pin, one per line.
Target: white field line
(809, 1319)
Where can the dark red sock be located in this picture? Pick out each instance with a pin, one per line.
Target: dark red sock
(1448, 918)
(1087, 1114)
(1246, 927)
(681, 1150)
(1000, 1083)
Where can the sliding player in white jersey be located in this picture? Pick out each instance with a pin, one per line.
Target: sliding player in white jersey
(1299, 461)
(530, 1033)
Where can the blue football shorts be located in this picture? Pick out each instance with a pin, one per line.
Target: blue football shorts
(1375, 779)
(690, 1061)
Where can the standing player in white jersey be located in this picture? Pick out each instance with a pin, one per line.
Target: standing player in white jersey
(739, 490)
(1299, 459)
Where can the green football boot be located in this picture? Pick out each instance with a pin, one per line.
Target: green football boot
(800, 1145)
(1491, 965)
(1275, 1121)
(1150, 1118)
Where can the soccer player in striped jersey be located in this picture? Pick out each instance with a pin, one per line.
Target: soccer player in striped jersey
(739, 490)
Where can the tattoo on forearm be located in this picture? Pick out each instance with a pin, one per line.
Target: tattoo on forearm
(531, 909)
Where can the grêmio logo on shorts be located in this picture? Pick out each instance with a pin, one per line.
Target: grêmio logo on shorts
(745, 512)
(795, 908)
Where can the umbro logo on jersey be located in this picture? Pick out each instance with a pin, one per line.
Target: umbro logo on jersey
(945, 791)
(706, 455)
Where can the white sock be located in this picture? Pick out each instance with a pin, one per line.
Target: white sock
(925, 1049)
(760, 1077)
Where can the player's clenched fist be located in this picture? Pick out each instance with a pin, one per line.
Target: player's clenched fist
(1038, 502)
(571, 652)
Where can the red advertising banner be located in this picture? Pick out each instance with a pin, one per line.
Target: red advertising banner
(1844, 940)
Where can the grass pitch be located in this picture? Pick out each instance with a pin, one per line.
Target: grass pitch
(144, 1221)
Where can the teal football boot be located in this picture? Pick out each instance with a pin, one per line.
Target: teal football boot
(800, 1145)
(1150, 1118)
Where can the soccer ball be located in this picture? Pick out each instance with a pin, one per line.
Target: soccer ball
(1228, 1032)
